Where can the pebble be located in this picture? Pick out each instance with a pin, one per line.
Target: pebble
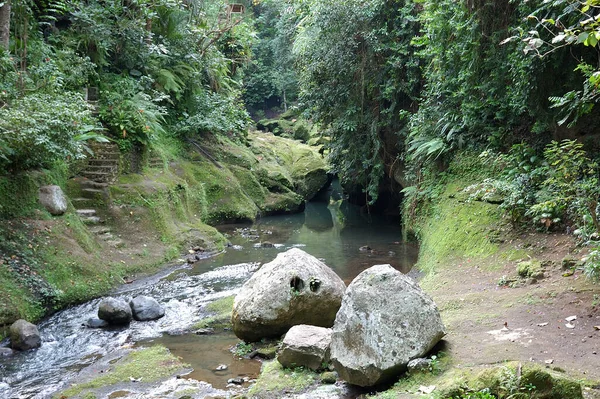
(237, 381)
(221, 367)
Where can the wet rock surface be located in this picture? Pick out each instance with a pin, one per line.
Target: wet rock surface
(115, 311)
(144, 308)
(24, 335)
(295, 288)
(385, 321)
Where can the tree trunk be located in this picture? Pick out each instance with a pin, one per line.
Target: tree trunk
(5, 24)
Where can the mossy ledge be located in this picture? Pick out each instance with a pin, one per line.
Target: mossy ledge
(51, 262)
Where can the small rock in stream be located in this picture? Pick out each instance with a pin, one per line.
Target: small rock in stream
(237, 381)
(221, 367)
(204, 331)
(96, 323)
(145, 308)
(6, 352)
(24, 335)
(115, 311)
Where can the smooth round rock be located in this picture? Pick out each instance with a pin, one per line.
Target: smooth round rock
(295, 288)
(145, 308)
(115, 311)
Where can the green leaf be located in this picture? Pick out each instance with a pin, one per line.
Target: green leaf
(582, 37)
(591, 41)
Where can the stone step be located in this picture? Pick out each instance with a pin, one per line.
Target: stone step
(100, 230)
(92, 193)
(116, 243)
(90, 184)
(82, 203)
(100, 168)
(86, 174)
(91, 220)
(86, 212)
(113, 163)
(106, 236)
(97, 144)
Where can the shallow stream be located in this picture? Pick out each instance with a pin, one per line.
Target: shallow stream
(330, 229)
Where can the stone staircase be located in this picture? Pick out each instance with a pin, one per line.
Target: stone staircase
(103, 166)
(92, 194)
(155, 162)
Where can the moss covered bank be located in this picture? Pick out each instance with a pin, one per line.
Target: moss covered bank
(142, 220)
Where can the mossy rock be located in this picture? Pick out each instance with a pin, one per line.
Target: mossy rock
(275, 381)
(503, 382)
(329, 377)
(530, 269)
(220, 314)
(550, 385)
(267, 352)
(150, 364)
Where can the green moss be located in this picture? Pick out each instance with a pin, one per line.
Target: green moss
(221, 310)
(504, 382)
(531, 268)
(151, 364)
(274, 381)
(457, 229)
(17, 301)
(19, 192)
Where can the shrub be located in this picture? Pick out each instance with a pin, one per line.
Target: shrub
(214, 113)
(129, 113)
(39, 129)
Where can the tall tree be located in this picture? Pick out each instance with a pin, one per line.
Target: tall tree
(4, 23)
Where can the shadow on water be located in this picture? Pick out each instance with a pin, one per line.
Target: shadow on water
(345, 237)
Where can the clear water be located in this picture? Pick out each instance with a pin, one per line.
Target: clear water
(331, 229)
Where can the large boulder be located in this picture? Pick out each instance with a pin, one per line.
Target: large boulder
(146, 308)
(295, 288)
(306, 346)
(385, 321)
(53, 199)
(114, 311)
(24, 335)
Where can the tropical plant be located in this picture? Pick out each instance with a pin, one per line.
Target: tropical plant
(39, 129)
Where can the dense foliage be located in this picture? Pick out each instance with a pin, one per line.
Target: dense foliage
(399, 86)
(159, 68)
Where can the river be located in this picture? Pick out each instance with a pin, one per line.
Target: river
(330, 229)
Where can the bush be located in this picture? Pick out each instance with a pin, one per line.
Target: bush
(39, 129)
(214, 113)
(129, 113)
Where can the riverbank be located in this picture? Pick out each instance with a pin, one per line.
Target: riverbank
(507, 296)
(141, 221)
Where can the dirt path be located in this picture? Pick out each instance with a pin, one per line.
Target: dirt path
(490, 324)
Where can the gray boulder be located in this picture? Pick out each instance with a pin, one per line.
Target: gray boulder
(385, 321)
(295, 288)
(53, 199)
(24, 335)
(6, 352)
(146, 308)
(114, 311)
(306, 346)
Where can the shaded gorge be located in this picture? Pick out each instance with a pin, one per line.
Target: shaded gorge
(345, 237)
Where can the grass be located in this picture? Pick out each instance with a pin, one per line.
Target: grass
(501, 381)
(151, 364)
(221, 310)
(274, 380)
